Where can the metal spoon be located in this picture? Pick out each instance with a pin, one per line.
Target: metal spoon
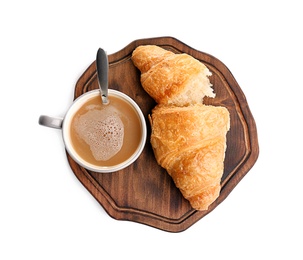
(102, 73)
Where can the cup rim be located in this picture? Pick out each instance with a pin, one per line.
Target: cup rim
(67, 140)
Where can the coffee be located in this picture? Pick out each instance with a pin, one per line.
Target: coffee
(102, 138)
(105, 135)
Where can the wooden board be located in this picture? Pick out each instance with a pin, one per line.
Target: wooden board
(144, 192)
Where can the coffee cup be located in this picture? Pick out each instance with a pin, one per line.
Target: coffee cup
(102, 137)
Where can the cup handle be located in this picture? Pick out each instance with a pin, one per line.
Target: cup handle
(53, 122)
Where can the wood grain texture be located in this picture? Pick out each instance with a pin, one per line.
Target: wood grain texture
(144, 192)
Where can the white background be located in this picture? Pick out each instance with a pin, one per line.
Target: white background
(46, 213)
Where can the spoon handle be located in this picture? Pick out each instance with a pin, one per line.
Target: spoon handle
(102, 72)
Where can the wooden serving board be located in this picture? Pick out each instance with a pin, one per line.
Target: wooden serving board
(144, 192)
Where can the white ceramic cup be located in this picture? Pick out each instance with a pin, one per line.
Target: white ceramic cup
(65, 124)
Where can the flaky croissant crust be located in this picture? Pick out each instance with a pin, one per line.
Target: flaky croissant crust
(171, 78)
(190, 142)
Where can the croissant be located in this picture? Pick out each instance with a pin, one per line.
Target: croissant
(169, 78)
(188, 138)
(190, 143)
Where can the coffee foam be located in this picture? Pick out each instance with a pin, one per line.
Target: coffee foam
(102, 130)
